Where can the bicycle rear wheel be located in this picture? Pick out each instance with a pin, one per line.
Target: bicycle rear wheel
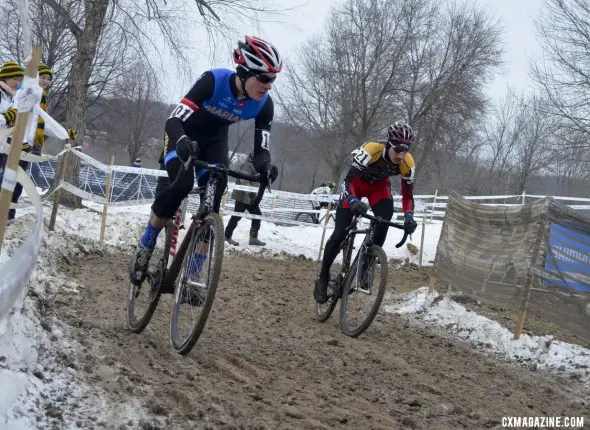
(306, 217)
(363, 290)
(196, 284)
(143, 299)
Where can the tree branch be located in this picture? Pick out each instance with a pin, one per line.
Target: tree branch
(202, 4)
(65, 16)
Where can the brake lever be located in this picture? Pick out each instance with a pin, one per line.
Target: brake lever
(400, 244)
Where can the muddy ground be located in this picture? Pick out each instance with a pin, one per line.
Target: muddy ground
(263, 361)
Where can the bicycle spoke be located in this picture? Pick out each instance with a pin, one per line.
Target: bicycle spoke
(197, 283)
(364, 291)
(142, 300)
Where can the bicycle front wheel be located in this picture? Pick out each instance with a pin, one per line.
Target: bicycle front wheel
(306, 217)
(196, 284)
(363, 290)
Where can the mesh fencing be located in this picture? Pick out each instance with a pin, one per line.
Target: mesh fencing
(129, 187)
(505, 256)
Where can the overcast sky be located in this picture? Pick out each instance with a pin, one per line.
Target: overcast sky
(516, 16)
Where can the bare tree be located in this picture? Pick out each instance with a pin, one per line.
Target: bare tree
(241, 135)
(570, 163)
(501, 133)
(135, 116)
(139, 21)
(49, 32)
(534, 148)
(341, 92)
(457, 50)
(564, 76)
(381, 61)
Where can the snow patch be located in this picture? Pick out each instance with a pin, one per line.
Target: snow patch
(541, 351)
(38, 386)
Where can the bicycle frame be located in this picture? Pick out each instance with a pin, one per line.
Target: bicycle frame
(206, 207)
(352, 231)
(347, 256)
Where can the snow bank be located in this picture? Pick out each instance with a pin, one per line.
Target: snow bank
(539, 351)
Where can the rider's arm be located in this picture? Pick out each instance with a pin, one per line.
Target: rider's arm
(361, 158)
(407, 195)
(262, 124)
(408, 169)
(353, 173)
(202, 90)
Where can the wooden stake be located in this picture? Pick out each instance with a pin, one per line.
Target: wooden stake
(22, 119)
(223, 201)
(433, 206)
(61, 170)
(324, 229)
(431, 283)
(529, 283)
(107, 196)
(272, 209)
(422, 240)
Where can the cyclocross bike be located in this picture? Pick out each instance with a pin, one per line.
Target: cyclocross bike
(314, 218)
(190, 271)
(359, 285)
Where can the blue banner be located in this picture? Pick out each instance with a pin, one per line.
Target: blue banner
(568, 258)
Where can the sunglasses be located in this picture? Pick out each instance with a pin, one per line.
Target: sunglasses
(265, 79)
(400, 147)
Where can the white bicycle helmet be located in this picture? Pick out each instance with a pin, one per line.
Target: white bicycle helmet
(256, 56)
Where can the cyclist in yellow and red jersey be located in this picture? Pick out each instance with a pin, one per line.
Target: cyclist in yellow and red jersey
(372, 165)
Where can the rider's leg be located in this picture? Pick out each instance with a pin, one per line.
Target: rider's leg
(233, 222)
(382, 205)
(255, 227)
(169, 196)
(382, 208)
(215, 152)
(343, 219)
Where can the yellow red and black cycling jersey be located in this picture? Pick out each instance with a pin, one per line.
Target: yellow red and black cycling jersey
(371, 167)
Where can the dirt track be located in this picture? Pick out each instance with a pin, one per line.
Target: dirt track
(264, 362)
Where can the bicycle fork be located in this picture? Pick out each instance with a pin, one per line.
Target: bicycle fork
(364, 276)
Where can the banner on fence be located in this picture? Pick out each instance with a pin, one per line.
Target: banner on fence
(569, 259)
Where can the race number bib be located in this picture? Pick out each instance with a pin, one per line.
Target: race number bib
(360, 158)
(265, 139)
(182, 112)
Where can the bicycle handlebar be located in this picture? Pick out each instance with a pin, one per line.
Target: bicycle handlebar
(380, 220)
(219, 168)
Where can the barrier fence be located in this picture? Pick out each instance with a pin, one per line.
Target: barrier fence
(16, 270)
(507, 260)
(136, 186)
(533, 257)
